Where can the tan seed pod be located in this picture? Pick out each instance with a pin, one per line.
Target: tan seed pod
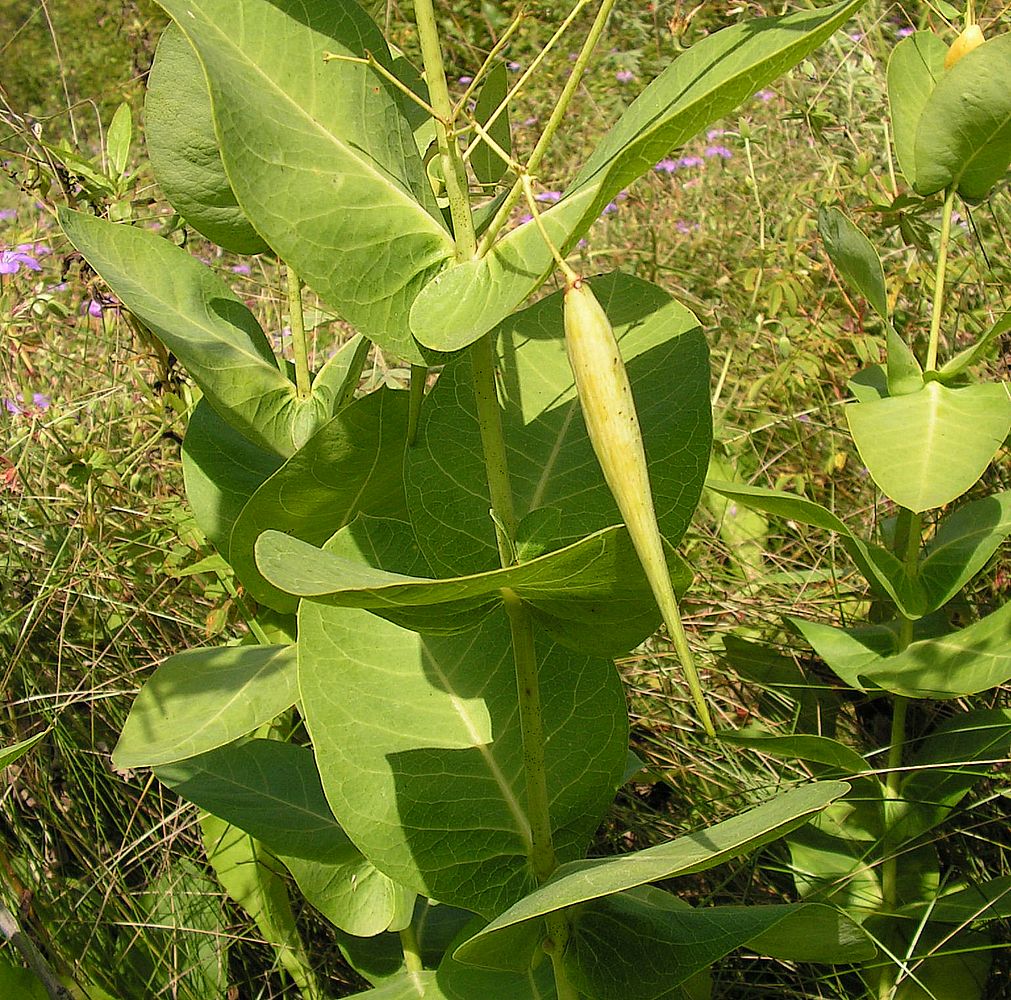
(971, 38)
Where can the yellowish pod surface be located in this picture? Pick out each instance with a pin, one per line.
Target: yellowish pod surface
(971, 38)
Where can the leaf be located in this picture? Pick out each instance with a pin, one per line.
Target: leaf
(353, 463)
(551, 460)
(963, 544)
(194, 313)
(272, 791)
(221, 470)
(925, 449)
(971, 355)
(14, 752)
(702, 85)
(818, 749)
(855, 257)
(964, 133)
(321, 155)
(966, 662)
(877, 564)
(580, 881)
(20, 983)
(204, 698)
(988, 900)
(119, 137)
(644, 942)
(458, 982)
(597, 571)
(914, 67)
(248, 874)
(487, 164)
(422, 759)
(945, 765)
(337, 381)
(179, 132)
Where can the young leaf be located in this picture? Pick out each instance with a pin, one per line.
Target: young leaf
(702, 85)
(581, 881)
(272, 791)
(118, 139)
(855, 257)
(204, 698)
(914, 67)
(14, 752)
(964, 133)
(179, 132)
(421, 758)
(350, 188)
(925, 449)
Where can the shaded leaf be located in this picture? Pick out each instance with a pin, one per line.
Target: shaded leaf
(914, 67)
(487, 164)
(818, 749)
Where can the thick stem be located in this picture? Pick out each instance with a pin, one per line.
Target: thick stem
(557, 927)
(493, 442)
(303, 382)
(939, 274)
(412, 952)
(542, 851)
(452, 162)
(419, 375)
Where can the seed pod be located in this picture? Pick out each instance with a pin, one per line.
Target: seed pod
(605, 396)
(971, 38)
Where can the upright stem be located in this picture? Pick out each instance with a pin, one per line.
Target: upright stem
(419, 375)
(410, 948)
(303, 384)
(453, 165)
(939, 274)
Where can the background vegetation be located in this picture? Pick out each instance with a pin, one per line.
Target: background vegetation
(106, 870)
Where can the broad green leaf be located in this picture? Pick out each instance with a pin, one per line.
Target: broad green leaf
(179, 132)
(249, 875)
(320, 154)
(454, 981)
(337, 381)
(817, 749)
(20, 983)
(700, 86)
(927, 448)
(195, 314)
(204, 698)
(971, 355)
(118, 139)
(187, 933)
(551, 460)
(221, 470)
(14, 752)
(600, 572)
(914, 67)
(581, 881)
(950, 762)
(272, 791)
(855, 257)
(644, 942)
(487, 164)
(966, 662)
(421, 756)
(353, 463)
(877, 564)
(982, 901)
(964, 542)
(964, 132)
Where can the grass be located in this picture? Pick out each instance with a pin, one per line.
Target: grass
(94, 588)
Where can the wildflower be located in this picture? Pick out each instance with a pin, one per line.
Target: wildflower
(6, 214)
(720, 151)
(765, 95)
(904, 32)
(666, 166)
(17, 406)
(527, 122)
(609, 208)
(624, 76)
(690, 161)
(684, 227)
(92, 307)
(40, 401)
(551, 196)
(11, 261)
(715, 133)
(525, 218)
(241, 269)
(466, 79)
(513, 67)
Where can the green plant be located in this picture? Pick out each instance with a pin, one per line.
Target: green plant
(926, 433)
(425, 726)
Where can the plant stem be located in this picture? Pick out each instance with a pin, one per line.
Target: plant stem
(542, 851)
(303, 384)
(419, 374)
(412, 952)
(939, 274)
(452, 162)
(557, 116)
(557, 926)
(493, 442)
(12, 932)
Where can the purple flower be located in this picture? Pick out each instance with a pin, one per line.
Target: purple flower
(624, 76)
(684, 227)
(16, 406)
(530, 121)
(93, 308)
(666, 166)
(904, 32)
(525, 218)
(41, 401)
(466, 79)
(551, 196)
(6, 214)
(609, 208)
(720, 151)
(36, 249)
(856, 36)
(715, 133)
(11, 261)
(765, 95)
(11, 406)
(691, 161)
(242, 269)
(513, 67)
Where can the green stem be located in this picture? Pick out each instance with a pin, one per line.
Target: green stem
(939, 274)
(452, 162)
(557, 116)
(557, 927)
(489, 418)
(303, 383)
(411, 949)
(542, 851)
(678, 636)
(419, 375)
